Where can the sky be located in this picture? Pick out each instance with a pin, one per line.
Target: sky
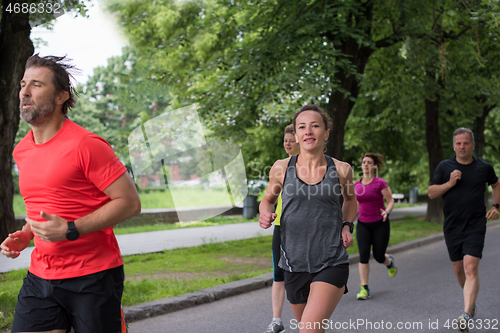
(88, 41)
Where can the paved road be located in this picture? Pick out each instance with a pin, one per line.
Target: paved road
(423, 293)
(400, 213)
(157, 241)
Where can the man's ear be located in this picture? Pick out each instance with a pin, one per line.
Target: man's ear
(62, 97)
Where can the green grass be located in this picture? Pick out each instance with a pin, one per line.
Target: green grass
(217, 220)
(10, 283)
(19, 207)
(180, 271)
(189, 196)
(403, 205)
(175, 272)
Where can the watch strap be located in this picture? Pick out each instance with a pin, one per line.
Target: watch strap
(350, 224)
(72, 233)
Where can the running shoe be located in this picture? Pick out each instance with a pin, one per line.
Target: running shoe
(474, 311)
(463, 322)
(364, 293)
(275, 327)
(393, 270)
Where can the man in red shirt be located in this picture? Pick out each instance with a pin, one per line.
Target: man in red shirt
(75, 190)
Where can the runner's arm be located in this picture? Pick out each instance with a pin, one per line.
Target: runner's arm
(17, 241)
(493, 211)
(387, 193)
(124, 204)
(350, 206)
(435, 191)
(266, 207)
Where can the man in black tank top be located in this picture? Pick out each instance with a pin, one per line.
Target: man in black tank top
(461, 181)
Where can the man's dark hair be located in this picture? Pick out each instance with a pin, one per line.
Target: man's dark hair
(61, 78)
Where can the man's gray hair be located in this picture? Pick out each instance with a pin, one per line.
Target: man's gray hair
(463, 130)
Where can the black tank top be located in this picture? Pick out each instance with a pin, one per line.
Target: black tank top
(311, 221)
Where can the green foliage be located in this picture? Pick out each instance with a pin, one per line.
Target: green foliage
(118, 98)
(451, 57)
(263, 145)
(492, 133)
(250, 64)
(239, 60)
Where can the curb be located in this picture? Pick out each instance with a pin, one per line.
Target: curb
(208, 295)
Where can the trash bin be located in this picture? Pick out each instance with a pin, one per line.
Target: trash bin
(250, 206)
(413, 194)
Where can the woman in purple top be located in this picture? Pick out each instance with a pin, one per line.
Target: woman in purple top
(373, 226)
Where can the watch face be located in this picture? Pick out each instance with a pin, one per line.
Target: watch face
(72, 235)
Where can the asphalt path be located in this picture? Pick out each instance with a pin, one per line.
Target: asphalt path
(423, 297)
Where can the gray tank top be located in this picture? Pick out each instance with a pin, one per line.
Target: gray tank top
(311, 222)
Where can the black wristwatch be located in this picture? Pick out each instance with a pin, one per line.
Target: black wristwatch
(496, 205)
(72, 234)
(350, 224)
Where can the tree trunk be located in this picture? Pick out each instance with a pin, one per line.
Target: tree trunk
(342, 100)
(480, 139)
(480, 126)
(435, 151)
(15, 48)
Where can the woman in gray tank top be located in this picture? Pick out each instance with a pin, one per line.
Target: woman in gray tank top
(314, 234)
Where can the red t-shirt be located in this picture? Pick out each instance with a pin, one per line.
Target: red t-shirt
(66, 176)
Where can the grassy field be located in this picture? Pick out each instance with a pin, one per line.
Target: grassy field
(217, 220)
(189, 196)
(19, 207)
(193, 196)
(176, 272)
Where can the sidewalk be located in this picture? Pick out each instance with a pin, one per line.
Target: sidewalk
(157, 241)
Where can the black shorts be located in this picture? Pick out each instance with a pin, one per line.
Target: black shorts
(298, 284)
(90, 303)
(466, 243)
(278, 271)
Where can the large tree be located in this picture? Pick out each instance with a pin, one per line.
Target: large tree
(118, 97)
(453, 98)
(442, 77)
(15, 48)
(235, 58)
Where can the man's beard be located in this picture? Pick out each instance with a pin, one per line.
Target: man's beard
(39, 113)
